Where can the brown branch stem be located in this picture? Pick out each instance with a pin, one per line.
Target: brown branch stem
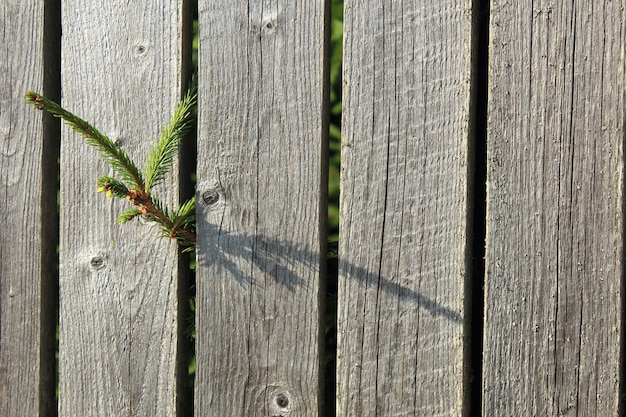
(142, 200)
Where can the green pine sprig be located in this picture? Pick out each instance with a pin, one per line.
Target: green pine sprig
(162, 155)
(132, 184)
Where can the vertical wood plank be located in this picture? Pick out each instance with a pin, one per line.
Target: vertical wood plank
(122, 71)
(555, 209)
(29, 39)
(261, 220)
(404, 229)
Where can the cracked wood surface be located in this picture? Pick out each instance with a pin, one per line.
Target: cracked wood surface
(404, 208)
(262, 227)
(119, 285)
(555, 209)
(28, 173)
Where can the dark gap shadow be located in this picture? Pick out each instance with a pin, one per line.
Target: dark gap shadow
(477, 215)
(49, 313)
(186, 274)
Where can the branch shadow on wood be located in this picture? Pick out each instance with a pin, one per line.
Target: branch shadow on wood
(250, 258)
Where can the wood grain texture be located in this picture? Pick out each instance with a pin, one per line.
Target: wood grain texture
(555, 209)
(404, 206)
(261, 220)
(122, 71)
(28, 156)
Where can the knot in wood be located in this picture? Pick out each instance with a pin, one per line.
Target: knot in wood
(139, 50)
(282, 400)
(210, 197)
(97, 262)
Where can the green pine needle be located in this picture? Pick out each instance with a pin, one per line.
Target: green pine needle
(113, 155)
(161, 208)
(181, 224)
(128, 215)
(162, 155)
(185, 217)
(187, 208)
(112, 187)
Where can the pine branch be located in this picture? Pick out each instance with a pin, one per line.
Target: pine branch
(184, 220)
(128, 215)
(112, 187)
(187, 208)
(181, 224)
(114, 156)
(162, 155)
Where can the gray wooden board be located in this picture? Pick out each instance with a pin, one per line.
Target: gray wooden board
(28, 212)
(261, 215)
(555, 209)
(404, 208)
(122, 71)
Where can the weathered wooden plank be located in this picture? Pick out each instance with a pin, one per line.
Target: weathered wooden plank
(119, 289)
(404, 210)
(29, 38)
(261, 220)
(555, 209)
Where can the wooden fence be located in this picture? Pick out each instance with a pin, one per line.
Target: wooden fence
(429, 322)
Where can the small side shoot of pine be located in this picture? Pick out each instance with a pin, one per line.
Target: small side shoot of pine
(133, 184)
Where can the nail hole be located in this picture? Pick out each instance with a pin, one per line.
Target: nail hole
(140, 49)
(269, 25)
